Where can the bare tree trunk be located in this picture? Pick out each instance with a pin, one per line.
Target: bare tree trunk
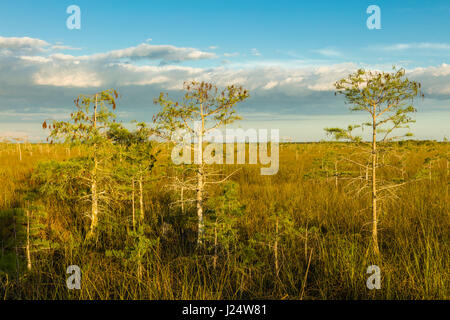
(94, 210)
(139, 269)
(200, 204)
(335, 174)
(374, 185)
(200, 185)
(306, 240)
(430, 168)
(215, 245)
(133, 206)
(16, 251)
(275, 248)
(20, 151)
(182, 199)
(28, 242)
(446, 178)
(141, 199)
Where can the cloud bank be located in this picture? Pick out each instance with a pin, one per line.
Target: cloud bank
(34, 76)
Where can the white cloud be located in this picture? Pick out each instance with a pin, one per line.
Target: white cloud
(61, 78)
(117, 68)
(435, 80)
(328, 52)
(63, 47)
(145, 51)
(106, 70)
(270, 85)
(24, 44)
(421, 45)
(49, 79)
(232, 54)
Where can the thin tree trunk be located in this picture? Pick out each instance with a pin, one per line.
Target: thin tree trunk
(139, 271)
(446, 178)
(28, 241)
(200, 185)
(215, 245)
(306, 240)
(336, 174)
(133, 206)
(200, 204)
(20, 152)
(275, 248)
(429, 173)
(374, 185)
(94, 209)
(182, 199)
(141, 199)
(16, 251)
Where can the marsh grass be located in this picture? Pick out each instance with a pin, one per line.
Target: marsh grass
(323, 250)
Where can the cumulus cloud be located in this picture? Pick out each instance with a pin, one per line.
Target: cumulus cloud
(435, 80)
(109, 69)
(31, 61)
(145, 51)
(31, 79)
(25, 44)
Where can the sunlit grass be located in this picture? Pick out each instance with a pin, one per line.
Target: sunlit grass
(324, 257)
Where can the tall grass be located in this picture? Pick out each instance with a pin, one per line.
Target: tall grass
(323, 252)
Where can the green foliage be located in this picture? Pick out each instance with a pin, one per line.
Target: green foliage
(387, 97)
(89, 122)
(62, 180)
(225, 214)
(137, 249)
(202, 102)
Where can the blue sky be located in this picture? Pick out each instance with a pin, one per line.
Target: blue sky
(288, 53)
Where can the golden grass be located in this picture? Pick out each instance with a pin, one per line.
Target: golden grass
(323, 255)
